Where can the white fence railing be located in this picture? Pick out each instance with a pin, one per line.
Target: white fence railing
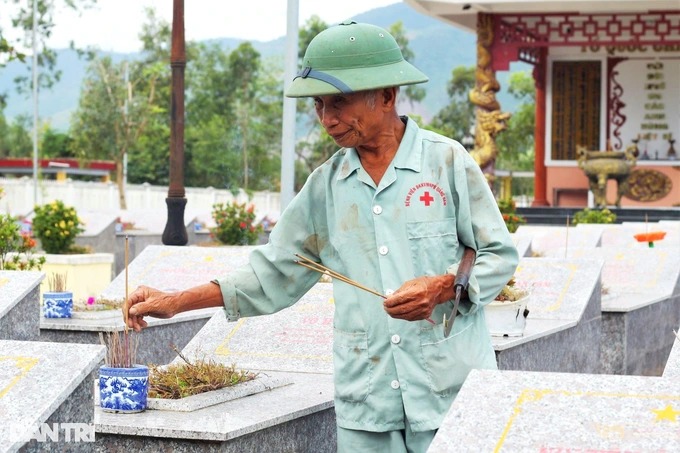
(19, 197)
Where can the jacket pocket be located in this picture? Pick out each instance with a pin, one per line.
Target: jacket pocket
(352, 368)
(433, 245)
(448, 360)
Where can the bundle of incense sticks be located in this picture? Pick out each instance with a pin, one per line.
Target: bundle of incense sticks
(121, 352)
(318, 267)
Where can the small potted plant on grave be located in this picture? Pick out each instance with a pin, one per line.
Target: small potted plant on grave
(57, 302)
(506, 315)
(123, 384)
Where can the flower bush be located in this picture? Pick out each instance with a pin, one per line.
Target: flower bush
(593, 216)
(510, 217)
(235, 224)
(57, 226)
(16, 247)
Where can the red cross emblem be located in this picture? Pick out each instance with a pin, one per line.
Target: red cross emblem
(426, 198)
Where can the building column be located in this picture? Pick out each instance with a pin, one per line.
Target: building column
(540, 176)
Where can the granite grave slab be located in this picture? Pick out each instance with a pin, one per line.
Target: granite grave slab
(672, 368)
(640, 307)
(550, 241)
(564, 319)
(523, 244)
(514, 411)
(20, 305)
(294, 344)
(45, 383)
(168, 268)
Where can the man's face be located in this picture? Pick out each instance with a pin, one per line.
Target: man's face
(351, 120)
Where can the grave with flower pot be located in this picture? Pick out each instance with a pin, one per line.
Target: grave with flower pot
(166, 268)
(56, 227)
(564, 319)
(292, 409)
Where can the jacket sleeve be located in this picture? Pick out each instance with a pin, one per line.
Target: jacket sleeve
(480, 226)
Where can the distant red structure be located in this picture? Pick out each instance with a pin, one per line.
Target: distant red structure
(61, 167)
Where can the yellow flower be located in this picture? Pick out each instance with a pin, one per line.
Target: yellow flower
(70, 223)
(62, 224)
(47, 232)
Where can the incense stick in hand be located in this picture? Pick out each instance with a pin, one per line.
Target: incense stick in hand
(318, 267)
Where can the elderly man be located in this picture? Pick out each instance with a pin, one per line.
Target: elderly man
(393, 209)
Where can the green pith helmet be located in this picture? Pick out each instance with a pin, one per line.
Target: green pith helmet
(352, 57)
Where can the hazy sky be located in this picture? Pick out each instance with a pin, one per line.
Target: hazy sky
(115, 24)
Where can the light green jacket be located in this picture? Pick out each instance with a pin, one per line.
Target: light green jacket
(432, 199)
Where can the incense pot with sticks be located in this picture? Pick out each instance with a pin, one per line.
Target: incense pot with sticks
(123, 384)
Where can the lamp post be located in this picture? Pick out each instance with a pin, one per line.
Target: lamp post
(175, 232)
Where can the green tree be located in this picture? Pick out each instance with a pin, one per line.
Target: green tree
(414, 93)
(21, 14)
(55, 143)
(456, 119)
(516, 143)
(15, 137)
(234, 117)
(150, 160)
(115, 104)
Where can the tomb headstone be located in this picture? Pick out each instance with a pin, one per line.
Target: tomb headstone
(46, 384)
(549, 241)
(294, 345)
(561, 412)
(20, 305)
(640, 290)
(564, 320)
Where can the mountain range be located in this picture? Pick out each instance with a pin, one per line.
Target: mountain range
(438, 48)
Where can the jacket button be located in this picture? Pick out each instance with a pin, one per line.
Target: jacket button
(396, 339)
(395, 384)
(377, 210)
(383, 250)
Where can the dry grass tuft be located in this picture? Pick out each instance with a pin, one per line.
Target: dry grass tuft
(185, 379)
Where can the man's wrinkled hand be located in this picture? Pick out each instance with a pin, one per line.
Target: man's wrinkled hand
(146, 301)
(414, 300)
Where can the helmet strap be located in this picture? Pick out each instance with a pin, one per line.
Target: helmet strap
(322, 76)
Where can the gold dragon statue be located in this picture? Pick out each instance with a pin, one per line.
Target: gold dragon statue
(490, 121)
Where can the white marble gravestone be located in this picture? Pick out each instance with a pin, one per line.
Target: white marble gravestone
(506, 411)
(36, 380)
(634, 278)
(550, 241)
(173, 268)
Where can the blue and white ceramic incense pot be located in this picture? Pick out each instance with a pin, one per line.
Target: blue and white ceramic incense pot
(123, 390)
(58, 304)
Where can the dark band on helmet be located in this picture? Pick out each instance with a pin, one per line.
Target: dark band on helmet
(329, 79)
